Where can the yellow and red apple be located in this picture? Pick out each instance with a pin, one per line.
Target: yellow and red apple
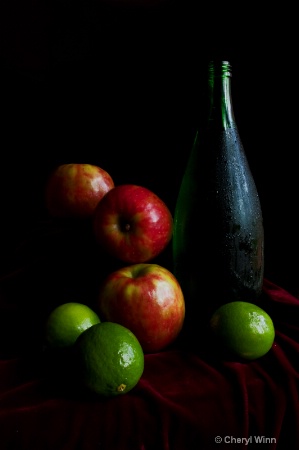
(74, 190)
(147, 299)
(132, 224)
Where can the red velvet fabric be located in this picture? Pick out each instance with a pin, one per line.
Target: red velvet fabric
(188, 397)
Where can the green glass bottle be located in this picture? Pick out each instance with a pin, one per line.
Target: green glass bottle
(218, 236)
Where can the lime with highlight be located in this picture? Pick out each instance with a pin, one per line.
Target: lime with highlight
(66, 322)
(110, 359)
(243, 328)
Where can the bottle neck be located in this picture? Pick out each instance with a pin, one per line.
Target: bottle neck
(221, 113)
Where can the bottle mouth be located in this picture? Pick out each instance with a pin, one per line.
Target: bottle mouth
(220, 68)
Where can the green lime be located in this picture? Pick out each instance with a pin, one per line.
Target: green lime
(66, 322)
(110, 358)
(243, 328)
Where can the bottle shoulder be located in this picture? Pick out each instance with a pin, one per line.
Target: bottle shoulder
(218, 173)
(220, 149)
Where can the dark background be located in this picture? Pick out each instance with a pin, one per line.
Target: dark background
(120, 84)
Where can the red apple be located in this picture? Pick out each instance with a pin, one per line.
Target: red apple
(74, 190)
(147, 299)
(132, 223)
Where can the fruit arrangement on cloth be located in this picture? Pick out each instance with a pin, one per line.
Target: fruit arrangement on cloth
(140, 306)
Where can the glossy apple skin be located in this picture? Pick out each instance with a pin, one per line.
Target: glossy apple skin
(147, 299)
(74, 190)
(132, 224)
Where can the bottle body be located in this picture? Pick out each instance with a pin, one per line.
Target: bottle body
(218, 237)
